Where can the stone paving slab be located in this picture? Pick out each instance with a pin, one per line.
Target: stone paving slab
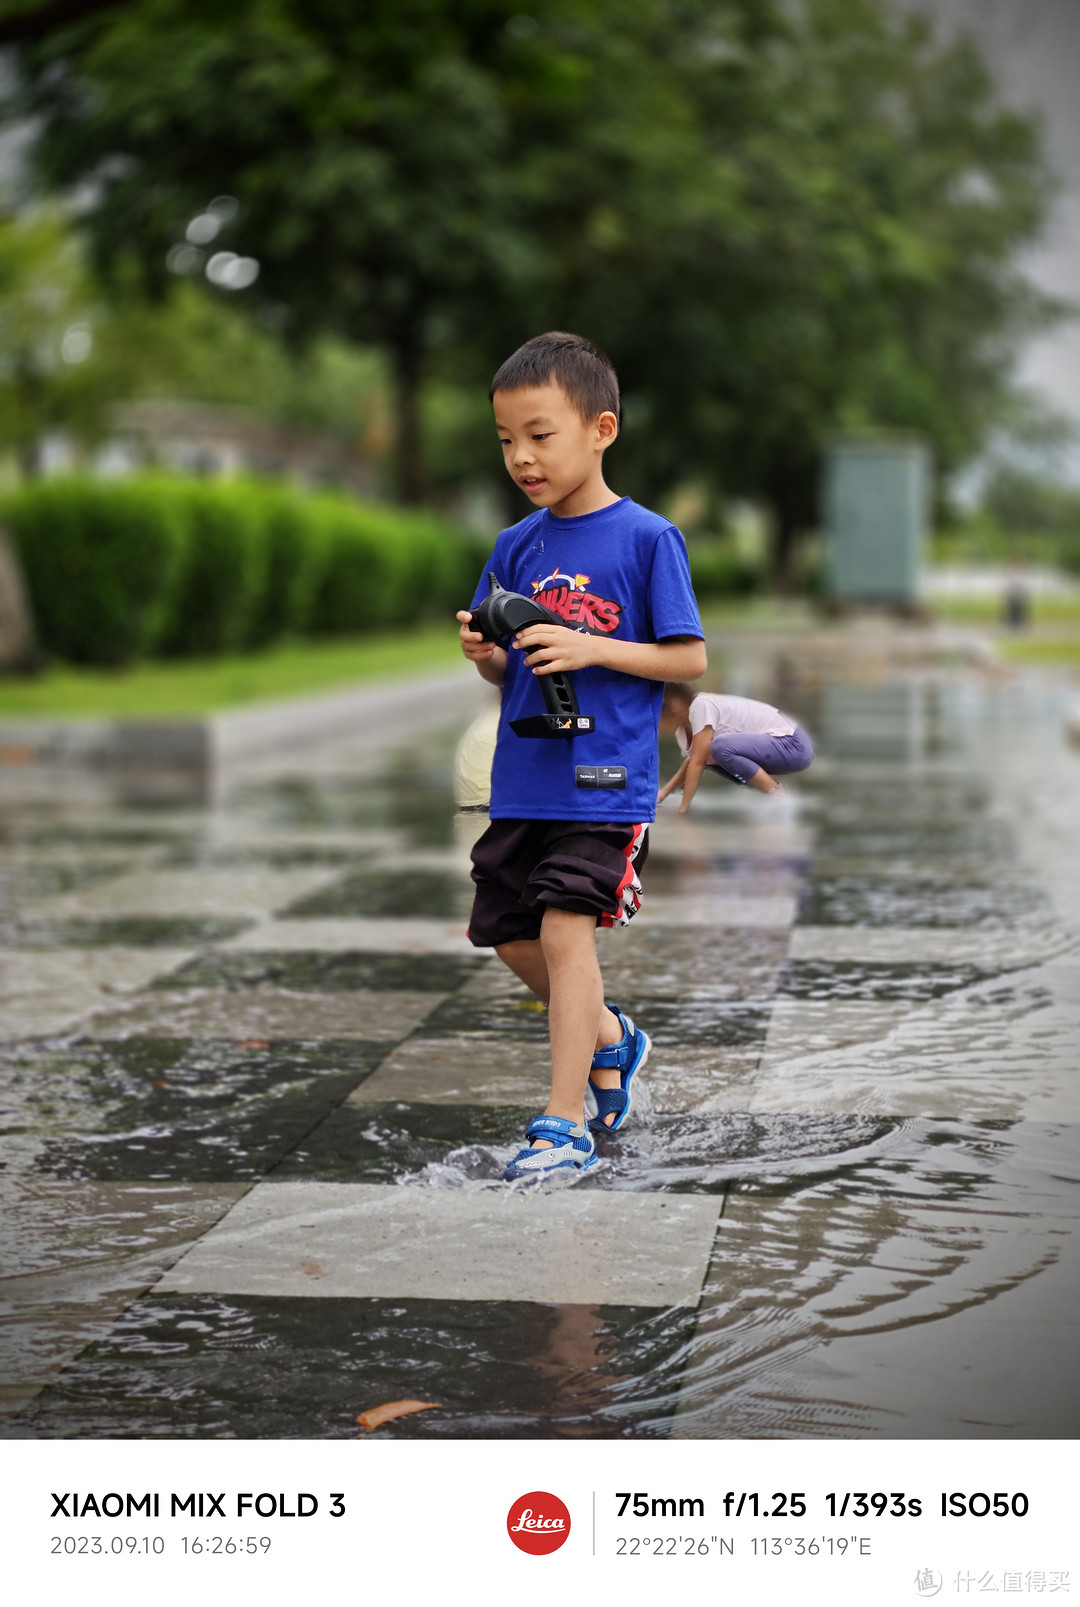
(191, 892)
(359, 935)
(1006, 948)
(989, 1053)
(664, 962)
(43, 993)
(898, 899)
(871, 980)
(330, 970)
(237, 832)
(371, 1241)
(384, 893)
(464, 1071)
(808, 1026)
(505, 1069)
(391, 1141)
(698, 1077)
(691, 837)
(265, 1013)
(55, 1226)
(80, 1253)
(125, 932)
(720, 911)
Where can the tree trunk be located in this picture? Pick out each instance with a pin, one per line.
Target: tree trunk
(792, 502)
(783, 549)
(18, 650)
(409, 451)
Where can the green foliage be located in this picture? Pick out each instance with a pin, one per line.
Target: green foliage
(162, 565)
(101, 560)
(45, 338)
(70, 350)
(717, 571)
(383, 567)
(295, 560)
(781, 220)
(1034, 511)
(214, 603)
(189, 686)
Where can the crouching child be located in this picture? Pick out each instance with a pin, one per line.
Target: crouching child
(749, 742)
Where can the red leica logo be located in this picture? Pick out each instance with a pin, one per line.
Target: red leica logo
(538, 1522)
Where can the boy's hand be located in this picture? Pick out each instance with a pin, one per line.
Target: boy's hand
(551, 648)
(473, 645)
(489, 657)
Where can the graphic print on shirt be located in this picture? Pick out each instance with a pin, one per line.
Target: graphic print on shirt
(569, 597)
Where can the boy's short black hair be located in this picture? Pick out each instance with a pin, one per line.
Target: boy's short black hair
(571, 361)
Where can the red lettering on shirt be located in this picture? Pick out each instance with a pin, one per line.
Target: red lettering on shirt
(605, 613)
(596, 613)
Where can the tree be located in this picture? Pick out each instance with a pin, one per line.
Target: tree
(363, 146)
(840, 257)
(781, 220)
(69, 352)
(45, 338)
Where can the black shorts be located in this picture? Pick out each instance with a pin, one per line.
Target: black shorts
(521, 867)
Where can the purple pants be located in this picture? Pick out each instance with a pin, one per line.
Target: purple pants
(740, 754)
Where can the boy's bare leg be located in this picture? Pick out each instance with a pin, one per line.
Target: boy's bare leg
(526, 960)
(568, 942)
(761, 781)
(562, 969)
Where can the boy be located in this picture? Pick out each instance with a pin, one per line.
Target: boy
(749, 742)
(560, 858)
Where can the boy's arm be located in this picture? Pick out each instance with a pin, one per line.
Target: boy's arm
(695, 764)
(489, 658)
(556, 647)
(674, 782)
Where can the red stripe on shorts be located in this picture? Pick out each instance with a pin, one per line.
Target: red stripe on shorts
(628, 875)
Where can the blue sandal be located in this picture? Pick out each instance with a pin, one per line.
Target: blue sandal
(631, 1051)
(576, 1152)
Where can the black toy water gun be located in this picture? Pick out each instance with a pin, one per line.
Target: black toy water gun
(504, 613)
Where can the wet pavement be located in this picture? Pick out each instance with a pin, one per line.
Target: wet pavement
(258, 1092)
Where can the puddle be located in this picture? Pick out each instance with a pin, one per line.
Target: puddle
(500, 1370)
(917, 984)
(309, 971)
(170, 1110)
(127, 932)
(905, 901)
(898, 1262)
(435, 895)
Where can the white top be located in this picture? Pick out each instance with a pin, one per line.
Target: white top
(472, 760)
(726, 714)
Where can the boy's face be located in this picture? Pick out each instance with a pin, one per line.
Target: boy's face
(548, 448)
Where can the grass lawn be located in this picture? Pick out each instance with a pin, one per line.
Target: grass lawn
(196, 686)
(1041, 649)
(1047, 608)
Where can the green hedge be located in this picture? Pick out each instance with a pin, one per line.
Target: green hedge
(161, 565)
(101, 560)
(217, 596)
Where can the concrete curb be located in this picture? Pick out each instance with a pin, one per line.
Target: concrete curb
(372, 713)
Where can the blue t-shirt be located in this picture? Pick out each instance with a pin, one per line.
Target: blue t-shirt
(620, 572)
